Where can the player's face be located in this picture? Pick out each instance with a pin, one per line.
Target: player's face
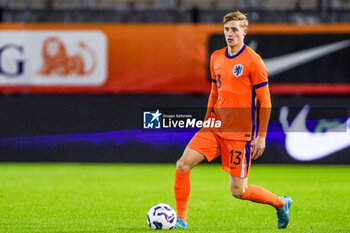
(234, 33)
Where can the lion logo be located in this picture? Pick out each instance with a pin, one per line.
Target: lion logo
(57, 61)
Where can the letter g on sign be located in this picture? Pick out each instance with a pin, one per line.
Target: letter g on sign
(19, 63)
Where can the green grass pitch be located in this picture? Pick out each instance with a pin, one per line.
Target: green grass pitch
(116, 198)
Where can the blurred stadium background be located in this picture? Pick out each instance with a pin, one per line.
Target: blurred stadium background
(174, 11)
(76, 76)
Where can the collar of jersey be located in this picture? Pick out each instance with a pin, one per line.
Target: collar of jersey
(236, 55)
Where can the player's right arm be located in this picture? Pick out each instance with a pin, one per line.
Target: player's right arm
(213, 92)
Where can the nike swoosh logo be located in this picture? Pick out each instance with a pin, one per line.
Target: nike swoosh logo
(279, 64)
(216, 69)
(303, 145)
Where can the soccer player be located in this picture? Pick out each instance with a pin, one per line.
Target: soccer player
(238, 77)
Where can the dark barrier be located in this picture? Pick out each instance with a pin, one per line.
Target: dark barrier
(108, 128)
(300, 63)
(299, 58)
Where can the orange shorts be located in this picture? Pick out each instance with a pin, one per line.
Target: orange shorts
(235, 155)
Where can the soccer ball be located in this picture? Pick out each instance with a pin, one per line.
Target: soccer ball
(161, 216)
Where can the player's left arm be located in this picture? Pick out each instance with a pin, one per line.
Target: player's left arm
(259, 144)
(261, 88)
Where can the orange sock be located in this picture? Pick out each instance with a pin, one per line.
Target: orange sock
(182, 189)
(260, 195)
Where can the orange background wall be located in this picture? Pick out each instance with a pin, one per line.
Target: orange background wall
(155, 58)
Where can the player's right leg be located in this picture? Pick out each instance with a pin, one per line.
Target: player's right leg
(188, 160)
(204, 145)
(182, 187)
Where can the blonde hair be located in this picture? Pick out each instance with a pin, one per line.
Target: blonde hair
(236, 16)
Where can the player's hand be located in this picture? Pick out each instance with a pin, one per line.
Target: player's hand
(258, 147)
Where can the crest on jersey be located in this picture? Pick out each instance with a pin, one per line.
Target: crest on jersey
(238, 70)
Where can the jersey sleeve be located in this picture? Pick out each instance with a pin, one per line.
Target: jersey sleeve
(258, 73)
(263, 95)
(212, 74)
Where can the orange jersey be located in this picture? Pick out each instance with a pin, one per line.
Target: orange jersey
(235, 82)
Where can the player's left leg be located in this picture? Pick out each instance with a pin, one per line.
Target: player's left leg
(240, 189)
(236, 161)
